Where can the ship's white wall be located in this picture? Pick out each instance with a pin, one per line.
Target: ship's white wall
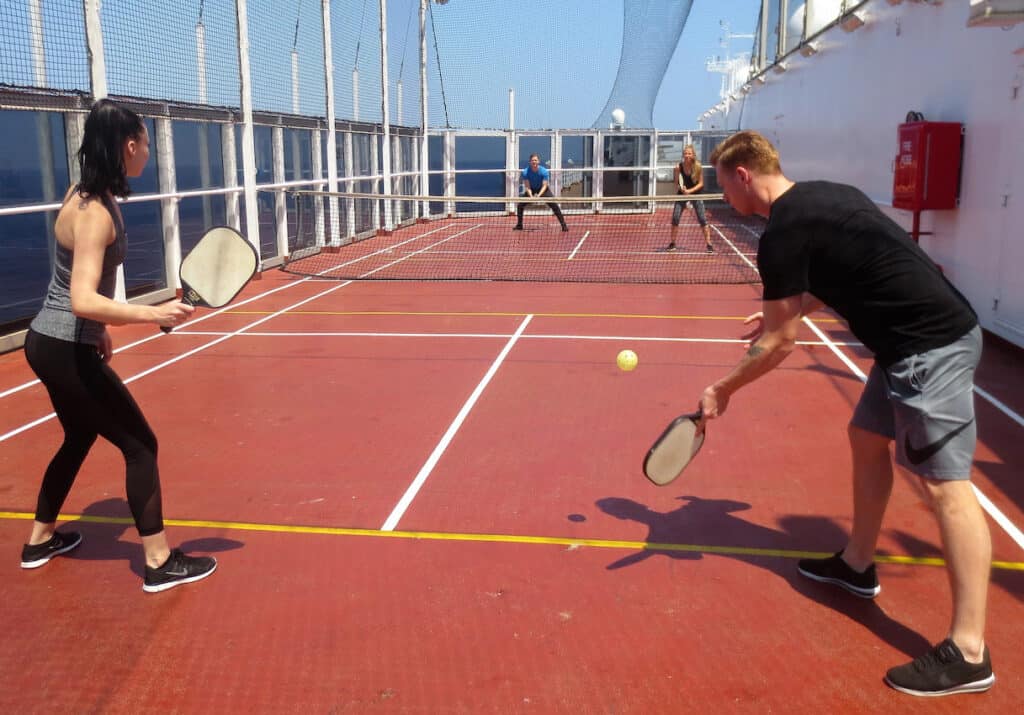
(834, 116)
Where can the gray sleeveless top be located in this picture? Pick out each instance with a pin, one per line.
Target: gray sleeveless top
(55, 319)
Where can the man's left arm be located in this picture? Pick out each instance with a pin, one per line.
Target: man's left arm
(781, 322)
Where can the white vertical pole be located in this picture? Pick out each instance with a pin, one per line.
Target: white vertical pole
(280, 207)
(424, 189)
(385, 145)
(37, 40)
(98, 83)
(374, 163)
(783, 24)
(398, 102)
(318, 204)
(350, 204)
(94, 40)
(74, 129)
(201, 60)
(167, 181)
(332, 142)
(204, 144)
(511, 108)
(296, 148)
(229, 151)
(43, 133)
(396, 158)
(762, 40)
(252, 212)
(414, 167)
(512, 172)
(449, 171)
(556, 162)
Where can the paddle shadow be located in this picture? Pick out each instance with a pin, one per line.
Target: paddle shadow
(698, 519)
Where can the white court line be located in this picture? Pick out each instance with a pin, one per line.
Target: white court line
(735, 250)
(587, 233)
(428, 467)
(223, 337)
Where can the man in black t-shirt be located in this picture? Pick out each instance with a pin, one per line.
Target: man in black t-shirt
(827, 244)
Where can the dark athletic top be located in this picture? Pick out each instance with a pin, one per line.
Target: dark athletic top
(831, 241)
(55, 319)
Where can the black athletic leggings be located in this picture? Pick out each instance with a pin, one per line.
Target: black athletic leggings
(555, 208)
(90, 401)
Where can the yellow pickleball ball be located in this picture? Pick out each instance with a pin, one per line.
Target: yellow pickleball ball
(626, 360)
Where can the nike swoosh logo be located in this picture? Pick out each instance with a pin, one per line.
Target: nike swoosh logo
(176, 573)
(916, 456)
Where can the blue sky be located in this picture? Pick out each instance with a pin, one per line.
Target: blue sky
(559, 56)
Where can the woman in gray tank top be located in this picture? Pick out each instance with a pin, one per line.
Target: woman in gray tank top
(68, 347)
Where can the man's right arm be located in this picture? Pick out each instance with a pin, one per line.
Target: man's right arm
(780, 323)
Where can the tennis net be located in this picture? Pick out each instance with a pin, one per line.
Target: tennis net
(619, 239)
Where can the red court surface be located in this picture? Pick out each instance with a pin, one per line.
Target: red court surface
(427, 498)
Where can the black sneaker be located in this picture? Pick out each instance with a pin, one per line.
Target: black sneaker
(565, 229)
(518, 227)
(835, 570)
(711, 248)
(32, 557)
(670, 247)
(178, 569)
(942, 671)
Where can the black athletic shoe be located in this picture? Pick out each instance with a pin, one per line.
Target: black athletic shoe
(518, 227)
(710, 248)
(565, 229)
(942, 671)
(32, 557)
(835, 570)
(178, 569)
(670, 247)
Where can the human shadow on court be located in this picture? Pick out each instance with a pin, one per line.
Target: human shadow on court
(699, 521)
(102, 540)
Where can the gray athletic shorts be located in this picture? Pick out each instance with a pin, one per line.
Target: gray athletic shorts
(926, 404)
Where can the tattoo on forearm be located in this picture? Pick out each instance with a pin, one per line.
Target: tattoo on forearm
(754, 351)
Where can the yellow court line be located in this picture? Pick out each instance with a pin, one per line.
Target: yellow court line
(505, 315)
(506, 539)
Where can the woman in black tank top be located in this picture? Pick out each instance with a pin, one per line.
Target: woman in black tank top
(68, 348)
(688, 178)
